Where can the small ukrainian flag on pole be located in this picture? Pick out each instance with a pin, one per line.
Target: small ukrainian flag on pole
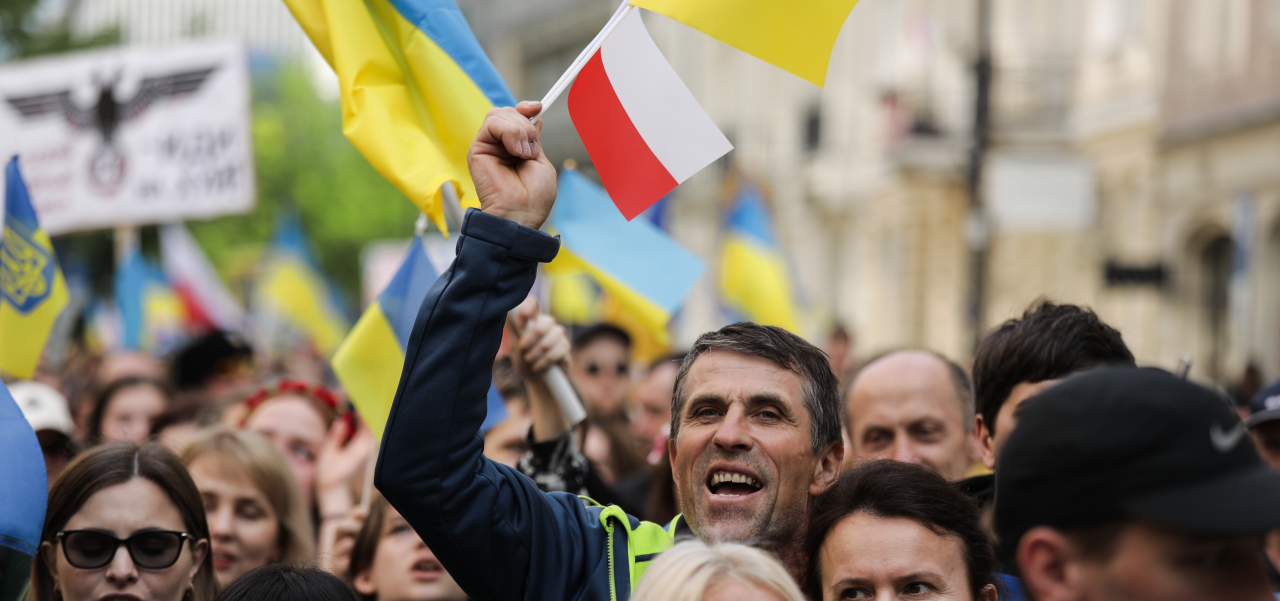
(32, 290)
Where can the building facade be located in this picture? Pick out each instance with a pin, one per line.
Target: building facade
(1133, 166)
(1133, 163)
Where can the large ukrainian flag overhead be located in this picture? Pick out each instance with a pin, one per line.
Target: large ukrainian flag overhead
(32, 289)
(796, 36)
(370, 359)
(415, 87)
(754, 279)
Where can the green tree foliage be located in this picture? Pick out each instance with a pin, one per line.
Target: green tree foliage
(22, 37)
(305, 165)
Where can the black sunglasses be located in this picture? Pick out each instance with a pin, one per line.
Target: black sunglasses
(151, 550)
(594, 369)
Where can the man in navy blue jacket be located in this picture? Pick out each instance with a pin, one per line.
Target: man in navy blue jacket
(755, 429)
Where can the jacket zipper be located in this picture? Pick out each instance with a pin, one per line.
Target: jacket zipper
(613, 587)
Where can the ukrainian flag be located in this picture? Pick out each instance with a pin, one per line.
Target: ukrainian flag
(369, 361)
(153, 317)
(754, 279)
(293, 286)
(32, 289)
(415, 87)
(796, 36)
(644, 273)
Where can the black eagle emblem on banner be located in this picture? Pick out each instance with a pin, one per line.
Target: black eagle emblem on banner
(106, 115)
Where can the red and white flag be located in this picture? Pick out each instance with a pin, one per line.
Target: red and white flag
(208, 302)
(643, 128)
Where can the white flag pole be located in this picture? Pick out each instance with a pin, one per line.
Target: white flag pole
(586, 54)
(371, 466)
(420, 226)
(452, 206)
(582, 60)
(570, 405)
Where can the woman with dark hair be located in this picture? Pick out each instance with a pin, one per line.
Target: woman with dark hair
(126, 408)
(276, 582)
(389, 562)
(897, 528)
(124, 520)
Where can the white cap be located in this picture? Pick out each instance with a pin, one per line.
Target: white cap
(44, 407)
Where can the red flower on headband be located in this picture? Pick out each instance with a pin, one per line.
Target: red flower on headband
(316, 392)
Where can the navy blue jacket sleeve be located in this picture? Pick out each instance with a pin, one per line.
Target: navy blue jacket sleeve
(492, 529)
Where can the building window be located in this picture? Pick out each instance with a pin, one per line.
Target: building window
(813, 128)
(1217, 34)
(1216, 264)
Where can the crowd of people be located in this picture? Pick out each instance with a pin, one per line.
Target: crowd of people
(752, 466)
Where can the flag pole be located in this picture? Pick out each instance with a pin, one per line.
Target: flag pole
(126, 239)
(557, 382)
(371, 466)
(452, 206)
(582, 59)
(420, 226)
(584, 55)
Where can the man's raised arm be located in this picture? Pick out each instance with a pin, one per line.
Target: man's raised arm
(496, 534)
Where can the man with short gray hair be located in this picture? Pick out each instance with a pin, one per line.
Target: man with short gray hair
(747, 399)
(755, 430)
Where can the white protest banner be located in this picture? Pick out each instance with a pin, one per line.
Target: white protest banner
(131, 136)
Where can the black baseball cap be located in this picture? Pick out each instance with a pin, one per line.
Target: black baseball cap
(1265, 407)
(1128, 443)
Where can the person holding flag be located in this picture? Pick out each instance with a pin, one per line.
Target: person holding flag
(33, 292)
(755, 426)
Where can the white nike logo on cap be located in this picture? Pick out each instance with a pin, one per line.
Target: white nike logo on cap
(1225, 441)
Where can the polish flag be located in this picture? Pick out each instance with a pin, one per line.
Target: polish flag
(643, 128)
(209, 304)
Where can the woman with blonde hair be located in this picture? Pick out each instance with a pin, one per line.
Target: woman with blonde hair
(255, 510)
(694, 571)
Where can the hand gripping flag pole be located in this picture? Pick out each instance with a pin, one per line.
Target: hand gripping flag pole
(570, 406)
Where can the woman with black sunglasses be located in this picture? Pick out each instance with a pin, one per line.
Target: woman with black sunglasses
(124, 522)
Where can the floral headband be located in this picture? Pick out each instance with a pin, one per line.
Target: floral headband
(320, 395)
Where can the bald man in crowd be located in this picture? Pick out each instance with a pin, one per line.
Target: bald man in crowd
(913, 406)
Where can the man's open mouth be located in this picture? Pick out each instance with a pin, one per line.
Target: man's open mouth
(731, 484)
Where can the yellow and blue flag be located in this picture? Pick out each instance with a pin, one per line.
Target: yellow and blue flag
(644, 273)
(754, 280)
(415, 87)
(295, 289)
(153, 317)
(369, 361)
(32, 290)
(24, 495)
(796, 36)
